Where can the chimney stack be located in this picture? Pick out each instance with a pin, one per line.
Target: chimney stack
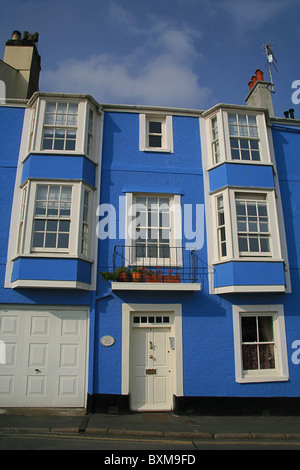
(260, 94)
(21, 65)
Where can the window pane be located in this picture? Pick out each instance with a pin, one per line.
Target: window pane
(244, 144)
(47, 144)
(50, 107)
(164, 251)
(40, 208)
(141, 251)
(38, 240)
(155, 127)
(70, 144)
(164, 204)
(63, 240)
(249, 333)
(54, 193)
(235, 154)
(64, 225)
(152, 219)
(245, 155)
(154, 141)
(242, 224)
(153, 235)
(251, 208)
(243, 244)
(253, 244)
(265, 328)
(51, 226)
(266, 356)
(240, 208)
(164, 220)
(152, 251)
(153, 203)
(141, 235)
(164, 236)
(50, 240)
(264, 245)
(234, 143)
(52, 209)
(58, 145)
(62, 108)
(42, 192)
(255, 155)
(50, 119)
(39, 226)
(250, 360)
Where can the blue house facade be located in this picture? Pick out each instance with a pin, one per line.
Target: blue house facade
(203, 204)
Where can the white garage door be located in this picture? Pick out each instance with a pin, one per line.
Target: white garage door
(44, 357)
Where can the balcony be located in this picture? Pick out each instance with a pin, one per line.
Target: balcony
(162, 268)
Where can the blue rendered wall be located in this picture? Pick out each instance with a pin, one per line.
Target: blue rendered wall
(207, 326)
(126, 169)
(11, 124)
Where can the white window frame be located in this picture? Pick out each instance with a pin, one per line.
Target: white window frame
(231, 228)
(281, 372)
(167, 132)
(26, 221)
(224, 137)
(175, 230)
(35, 142)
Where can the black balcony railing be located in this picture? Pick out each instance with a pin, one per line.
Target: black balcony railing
(159, 260)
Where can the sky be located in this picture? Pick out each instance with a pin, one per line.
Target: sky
(176, 53)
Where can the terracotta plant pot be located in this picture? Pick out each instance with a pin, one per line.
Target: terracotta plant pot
(175, 278)
(137, 277)
(152, 278)
(124, 277)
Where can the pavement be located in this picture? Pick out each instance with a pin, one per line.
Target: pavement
(163, 425)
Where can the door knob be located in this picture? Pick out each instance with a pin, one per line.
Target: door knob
(151, 356)
(37, 371)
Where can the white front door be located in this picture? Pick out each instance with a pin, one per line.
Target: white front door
(151, 360)
(45, 363)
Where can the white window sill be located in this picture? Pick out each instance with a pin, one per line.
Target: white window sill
(155, 149)
(265, 377)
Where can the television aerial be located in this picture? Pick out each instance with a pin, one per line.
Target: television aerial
(271, 60)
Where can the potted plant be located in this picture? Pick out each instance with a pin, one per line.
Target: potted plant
(122, 274)
(137, 274)
(107, 275)
(153, 276)
(172, 277)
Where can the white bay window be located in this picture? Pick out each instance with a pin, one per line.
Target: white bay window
(246, 225)
(54, 219)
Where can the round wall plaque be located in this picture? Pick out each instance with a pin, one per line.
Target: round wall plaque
(107, 340)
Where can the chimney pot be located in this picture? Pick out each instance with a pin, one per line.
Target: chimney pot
(291, 111)
(16, 35)
(286, 114)
(259, 75)
(250, 84)
(254, 79)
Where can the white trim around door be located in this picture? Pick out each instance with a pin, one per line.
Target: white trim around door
(153, 318)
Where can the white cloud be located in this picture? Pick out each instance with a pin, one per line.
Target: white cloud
(252, 14)
(159, 70)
